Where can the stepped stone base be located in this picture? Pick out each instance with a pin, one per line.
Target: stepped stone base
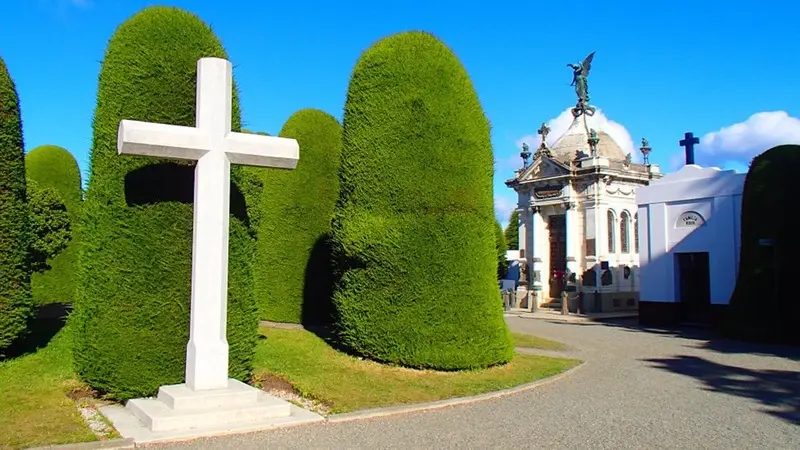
(181, 413)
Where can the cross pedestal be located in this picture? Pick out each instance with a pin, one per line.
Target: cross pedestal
(208, 403)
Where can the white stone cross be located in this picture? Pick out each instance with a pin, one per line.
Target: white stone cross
(212, 144)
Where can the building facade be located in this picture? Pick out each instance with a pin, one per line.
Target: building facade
(578, 215)
(691, 240)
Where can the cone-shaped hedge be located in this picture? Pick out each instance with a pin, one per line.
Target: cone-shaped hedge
(293, 275)
(512, 231)
(131, 313)
(770, 185)
(15, 272)
(414, 229)
(502, 248)
(54, 167)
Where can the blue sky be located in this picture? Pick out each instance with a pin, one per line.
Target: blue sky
(659, 71)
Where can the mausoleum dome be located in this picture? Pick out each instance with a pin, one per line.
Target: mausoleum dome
(576, 139)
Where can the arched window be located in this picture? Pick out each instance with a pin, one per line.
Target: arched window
(611, 232)
(624, 232)
(636, 232)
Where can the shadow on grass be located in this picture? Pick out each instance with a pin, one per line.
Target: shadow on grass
(42, 327)
(777, 390)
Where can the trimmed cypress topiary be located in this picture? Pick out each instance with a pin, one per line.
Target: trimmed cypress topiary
(765, 271)
(15, 270)
(414, 229)
(49, 224)
(512, 231)
(54, 167)
(500, 245)
(131, 316)
(293, 275)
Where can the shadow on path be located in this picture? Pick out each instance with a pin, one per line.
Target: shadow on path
(705, 336)
(777, 390)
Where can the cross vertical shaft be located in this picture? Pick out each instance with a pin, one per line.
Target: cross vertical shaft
(207, 351)
(688, 142)
(215, 147)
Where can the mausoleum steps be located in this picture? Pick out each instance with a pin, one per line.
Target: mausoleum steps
(179, 408)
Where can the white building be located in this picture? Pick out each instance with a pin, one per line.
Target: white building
(690, 240)
(577, 207)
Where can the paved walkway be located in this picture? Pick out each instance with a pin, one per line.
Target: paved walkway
(639, 390)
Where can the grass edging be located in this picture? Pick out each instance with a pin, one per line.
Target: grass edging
(416, 407)
(108, 444)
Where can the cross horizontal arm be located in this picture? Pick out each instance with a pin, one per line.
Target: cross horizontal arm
(160, 140)
(265, 151)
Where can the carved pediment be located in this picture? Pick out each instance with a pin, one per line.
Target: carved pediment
(544, 167)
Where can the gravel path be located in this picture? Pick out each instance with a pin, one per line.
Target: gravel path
(639, 389)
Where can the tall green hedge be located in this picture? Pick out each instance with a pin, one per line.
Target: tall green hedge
(501, 247)
(512, 231)
(414, 229)
(293, 275)
(131, 314)
(764, 305)
(54, 167)
(15, 271)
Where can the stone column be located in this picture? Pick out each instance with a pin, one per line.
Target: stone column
(537, 247)
(573, 246)
(524, 257)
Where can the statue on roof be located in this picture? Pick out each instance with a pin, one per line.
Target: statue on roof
(579, 74)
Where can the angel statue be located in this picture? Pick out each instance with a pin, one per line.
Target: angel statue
(579, 74)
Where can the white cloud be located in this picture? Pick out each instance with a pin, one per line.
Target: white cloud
(503, 205)
(742, 141)
(599, 122)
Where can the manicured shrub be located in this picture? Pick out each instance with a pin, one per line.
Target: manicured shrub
(512, 231)
(293, 273)
(53, 167)
(49, 225)
(131, 313)
(15, 270)
(501, 248)
(763, 306)
(414, 229)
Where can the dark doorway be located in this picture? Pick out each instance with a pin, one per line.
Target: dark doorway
(557, 225)
(694, 287)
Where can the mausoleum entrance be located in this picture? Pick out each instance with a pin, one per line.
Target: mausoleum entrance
(557, 226)
(694, 286)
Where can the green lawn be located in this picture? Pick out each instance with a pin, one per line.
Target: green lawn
(346, 383)
(530, 341)
(34, 406)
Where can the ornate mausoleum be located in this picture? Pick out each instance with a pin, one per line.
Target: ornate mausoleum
(578, 215)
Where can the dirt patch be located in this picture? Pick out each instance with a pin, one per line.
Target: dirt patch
(284, 390)
(87, 400)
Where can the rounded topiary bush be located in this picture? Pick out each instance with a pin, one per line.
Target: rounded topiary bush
(414, 229)
(54, 167)
(293, 275)
(765, 271)
(131, 313)
(15, 271)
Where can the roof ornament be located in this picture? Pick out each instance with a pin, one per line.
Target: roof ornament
(525, 154)
(645, 149)
(543, 149)
(593, 140)
(580, 73)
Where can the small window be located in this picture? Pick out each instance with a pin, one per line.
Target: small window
(611, 232)
(624, 225)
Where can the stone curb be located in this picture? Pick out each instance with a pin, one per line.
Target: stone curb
(119, 444)
(416, 407)
(108, 444)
